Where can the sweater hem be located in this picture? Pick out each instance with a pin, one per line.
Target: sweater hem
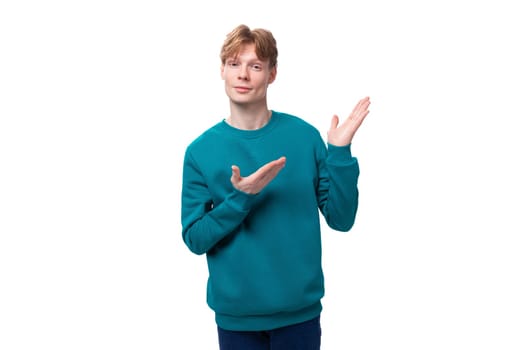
(267, 322)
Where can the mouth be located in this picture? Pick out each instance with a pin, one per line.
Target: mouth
(241, 89)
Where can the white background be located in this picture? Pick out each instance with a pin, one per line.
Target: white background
(98, 100)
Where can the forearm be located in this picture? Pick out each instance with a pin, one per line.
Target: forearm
(203, 230)
(340, 197)
(343, 199)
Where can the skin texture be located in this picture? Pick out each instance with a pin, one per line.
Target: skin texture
(342, 135)
(246, 80)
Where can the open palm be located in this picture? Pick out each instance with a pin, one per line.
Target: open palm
(342, 135)
(255, 182)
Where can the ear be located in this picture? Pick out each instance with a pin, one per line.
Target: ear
(273, 75)
(222, 71)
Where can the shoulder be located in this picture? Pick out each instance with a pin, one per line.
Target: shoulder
(205, 140)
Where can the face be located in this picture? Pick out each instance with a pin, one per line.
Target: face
(246, 77)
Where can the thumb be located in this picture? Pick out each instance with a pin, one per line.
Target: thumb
(335, 122)
(236, 174)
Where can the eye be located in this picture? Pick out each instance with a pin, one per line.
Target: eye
(256, 67)
(233, 64)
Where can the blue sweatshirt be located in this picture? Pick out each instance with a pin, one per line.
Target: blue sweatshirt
(264, 251)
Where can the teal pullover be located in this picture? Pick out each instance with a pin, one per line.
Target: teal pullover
(264, 251)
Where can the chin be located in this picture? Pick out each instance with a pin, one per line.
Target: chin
(241, 100)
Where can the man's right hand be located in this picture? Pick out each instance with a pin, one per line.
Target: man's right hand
(255, 182)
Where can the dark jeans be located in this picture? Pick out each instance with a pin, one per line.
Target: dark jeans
(301, 336)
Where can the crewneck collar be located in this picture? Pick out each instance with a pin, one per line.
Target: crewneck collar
(250, 134)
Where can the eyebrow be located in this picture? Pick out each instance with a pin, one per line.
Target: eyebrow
(254, 60)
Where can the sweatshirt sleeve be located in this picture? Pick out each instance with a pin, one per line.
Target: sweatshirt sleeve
(205, 223)
(337, 189)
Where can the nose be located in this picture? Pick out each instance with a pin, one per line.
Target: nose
(243, 73)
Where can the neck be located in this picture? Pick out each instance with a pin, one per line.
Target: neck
(249, 119)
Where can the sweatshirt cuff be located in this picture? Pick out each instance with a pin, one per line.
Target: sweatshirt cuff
(339, 155)
(241, 201)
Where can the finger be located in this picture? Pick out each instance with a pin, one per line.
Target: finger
(281, 161)
(365, 100)
(269, 167)
(360, 118)
(267, 176)
(335, 122)
(362, 104)
(361, 108)
(236, 174)
(365, 103)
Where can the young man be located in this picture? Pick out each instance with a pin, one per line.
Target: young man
(253, 187)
